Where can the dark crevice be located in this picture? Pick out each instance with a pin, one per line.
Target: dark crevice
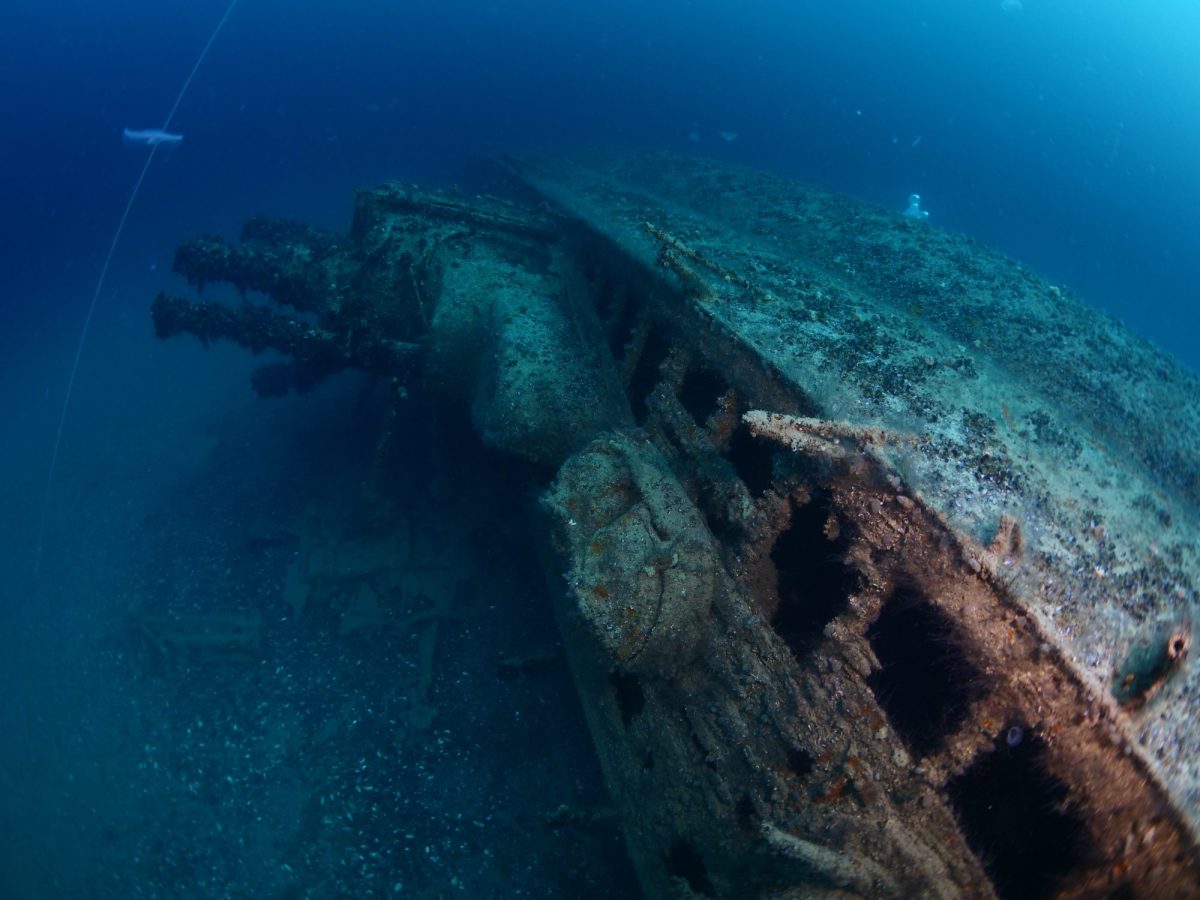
(683, 861)
(753, 459)
(700, 393)
(630, 698)
(800, 762)
(1017, 818)
(815, 581)
(927, 681)
(711, 503)
(646, 373)
(744, 812)
(625, 325)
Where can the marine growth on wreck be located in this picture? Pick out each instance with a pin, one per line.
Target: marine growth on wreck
(874, 554)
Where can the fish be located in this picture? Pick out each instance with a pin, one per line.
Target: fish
(151, 137)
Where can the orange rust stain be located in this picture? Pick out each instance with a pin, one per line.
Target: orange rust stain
(872, 715)
(835, 793)
(728, 419)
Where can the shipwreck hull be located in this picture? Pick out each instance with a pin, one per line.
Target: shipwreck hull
(872, 553)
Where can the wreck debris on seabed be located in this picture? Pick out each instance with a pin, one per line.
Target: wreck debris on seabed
(879, 551)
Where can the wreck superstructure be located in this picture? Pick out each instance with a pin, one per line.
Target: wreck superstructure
(874, 553)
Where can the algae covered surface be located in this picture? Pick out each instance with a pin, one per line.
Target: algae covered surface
(846, 521)
(1023, 400)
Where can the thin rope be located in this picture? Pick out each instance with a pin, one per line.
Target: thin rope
(87, 321)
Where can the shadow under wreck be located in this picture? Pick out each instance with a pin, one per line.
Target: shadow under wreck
(879, 551)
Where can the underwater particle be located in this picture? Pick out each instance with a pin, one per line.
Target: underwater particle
(1151, 661)
(150, 137)
(913, 210)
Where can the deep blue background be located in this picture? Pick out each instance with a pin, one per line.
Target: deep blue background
(1066, 134)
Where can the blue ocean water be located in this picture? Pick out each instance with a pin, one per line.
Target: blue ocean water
(1063, 133)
